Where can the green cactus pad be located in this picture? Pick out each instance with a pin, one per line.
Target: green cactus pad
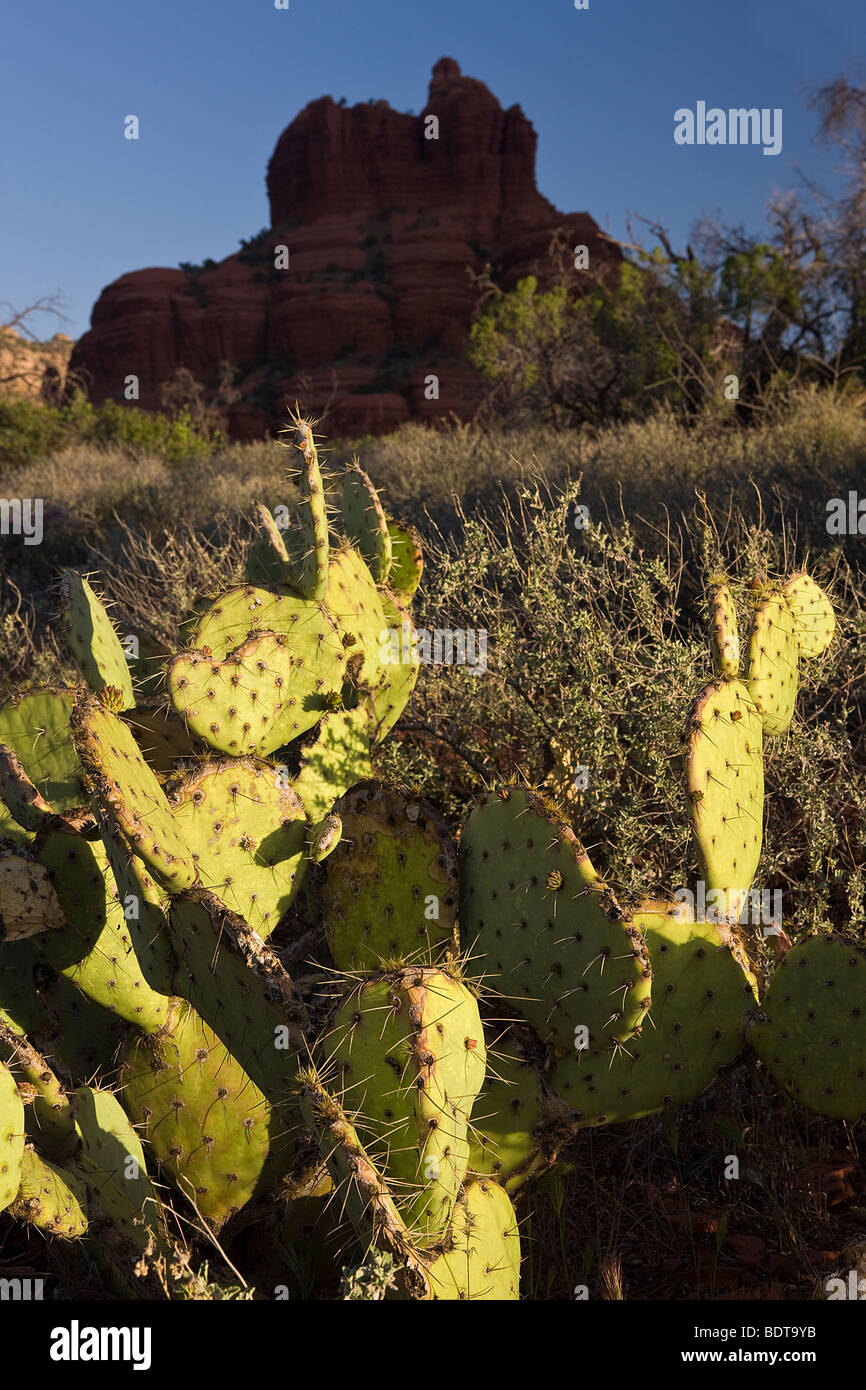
(814, 1036)
(11, 1137)
(28, 901)
(553, 939)
(96, 951)
(483, 1261)
(391, 883)
(36, 725)
(516, 1127)
(50, 1198)
(93, 641)
(207, 1123)
(814, 619)
(128, 790)
(125, 1212)
(409, 1050)
(355, 604)
(313, 636)
(701, 1005)
(247, 831)
(25, 802)
(365, 523)
(338, 758)
(309, 547)
(80, 1037)
(401, 661)
(48, 1115)
(258, 698)
(407, 560)
(724, 635)
(144, 906)
(724, 769)
(240, 988)
(773, 671)
(20, 1006)
(363, 1193)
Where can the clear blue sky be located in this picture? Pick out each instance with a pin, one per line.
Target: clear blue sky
(215, 81)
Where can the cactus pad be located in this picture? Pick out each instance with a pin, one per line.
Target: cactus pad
(700, 1007)
(365, 522)
(11, 1137)
(309, 546)
(483, 1261)
(554, 940)
(773, 673)
(36, 725)
(407, 560)
(725, 780)
(724, 636)
(25, 802)
(336, 759)
(50, 1198)
(391, 885)
(814, 619)
(128, 790)
(93, 640)
(409, 1050)
(814, 1037)
(401, 662)
(206, 1121)
(247, 832)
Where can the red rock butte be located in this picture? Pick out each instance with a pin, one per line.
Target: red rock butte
(382, 223)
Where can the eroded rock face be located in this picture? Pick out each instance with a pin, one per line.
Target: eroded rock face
(381, 224)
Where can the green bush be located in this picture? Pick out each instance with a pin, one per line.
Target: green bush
(30, 432)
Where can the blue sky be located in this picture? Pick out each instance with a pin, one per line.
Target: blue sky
(215, 81)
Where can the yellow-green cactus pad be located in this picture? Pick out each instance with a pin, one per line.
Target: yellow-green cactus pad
(724, 769)
(408, 1049)
(365, 522)
(259, 697)
(96, 950)
(724, 635)
(93, 641)
(11, 1137)
(814, 619)
(128, 790)
(702, 1003)
(400, 655)
(814, 1036)
(335, 760)
(51, 1198)
(774, 672)
(407, 560)
(36, 725)
(391, 886)
(552, 938)
(247, 830)
(206, 1121)
(482, 1261)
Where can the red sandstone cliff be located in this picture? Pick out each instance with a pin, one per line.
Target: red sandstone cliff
(381, 223)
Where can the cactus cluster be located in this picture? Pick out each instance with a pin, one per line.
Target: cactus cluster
(479, 1006)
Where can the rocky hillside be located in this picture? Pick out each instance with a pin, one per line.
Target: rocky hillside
(382, 215)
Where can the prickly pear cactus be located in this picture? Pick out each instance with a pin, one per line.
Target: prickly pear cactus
(812, 1029)
(723, 754)
(553, 938)
(774, 655)
(94, 642)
